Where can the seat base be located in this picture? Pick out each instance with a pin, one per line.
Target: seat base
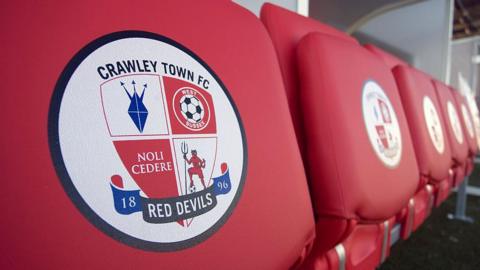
(367, 246)
(459, 174)
(442, 191)
(418, 209)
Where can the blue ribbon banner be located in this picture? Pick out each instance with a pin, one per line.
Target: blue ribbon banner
(166, 210)
(126, 201)
(222, 183)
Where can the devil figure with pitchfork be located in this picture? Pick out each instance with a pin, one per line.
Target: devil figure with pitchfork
(197, 166)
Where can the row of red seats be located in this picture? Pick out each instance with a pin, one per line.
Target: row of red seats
(359, 195)
(344, 143)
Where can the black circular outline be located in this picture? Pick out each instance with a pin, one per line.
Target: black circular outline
(57, 158)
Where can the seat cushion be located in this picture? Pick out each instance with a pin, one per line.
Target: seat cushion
(362, 249)
(451, 118)
(466, 121)
(472, 105)
(425, 122)
(360, 155)
(286, 29)
(113, 82)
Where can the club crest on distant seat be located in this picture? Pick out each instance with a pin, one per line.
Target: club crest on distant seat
(454, 121)
(433, 124)
(381, 124)
(468, 121)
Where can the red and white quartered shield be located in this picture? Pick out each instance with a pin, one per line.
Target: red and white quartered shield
(381, 124)
(148, 141)
(165, 135)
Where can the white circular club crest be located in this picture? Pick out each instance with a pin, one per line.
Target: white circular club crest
(454, 122)
(382, 124)
(472, 106)
(147, 141)
(468, 121)
(433, 124)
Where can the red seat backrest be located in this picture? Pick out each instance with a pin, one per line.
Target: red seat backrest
(286, 29)
(362, 163)
(472, 105)
(467, 121)
(425, 122)
(451, 118)
(205, 71)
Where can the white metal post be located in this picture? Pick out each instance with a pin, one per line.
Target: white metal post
(461, 207)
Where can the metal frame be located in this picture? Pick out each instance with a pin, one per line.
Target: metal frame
(462, 193)
(464, 190)
(448, 71)
(474, 76)
(461, 206)
(302, 7)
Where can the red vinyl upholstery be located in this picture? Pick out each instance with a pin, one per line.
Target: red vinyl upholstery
(427, 128)
(271, 225)
(354, 181)
(420, 205)
(433, 151)
(468, 128)
(455, 134)
(286, 29)
(472, 105)
(466, 120)
(390, 60)
(361, 248)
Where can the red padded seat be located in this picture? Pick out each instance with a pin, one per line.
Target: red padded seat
(286, 29)
(427, 128)
(362, 168)
(468, 129)
(454, 130)
(472, 105)
(420, 205)
(67, 60)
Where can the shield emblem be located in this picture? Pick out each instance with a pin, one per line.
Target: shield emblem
(385, 112)
(164, 132)
(382, 135)
(135, 141)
